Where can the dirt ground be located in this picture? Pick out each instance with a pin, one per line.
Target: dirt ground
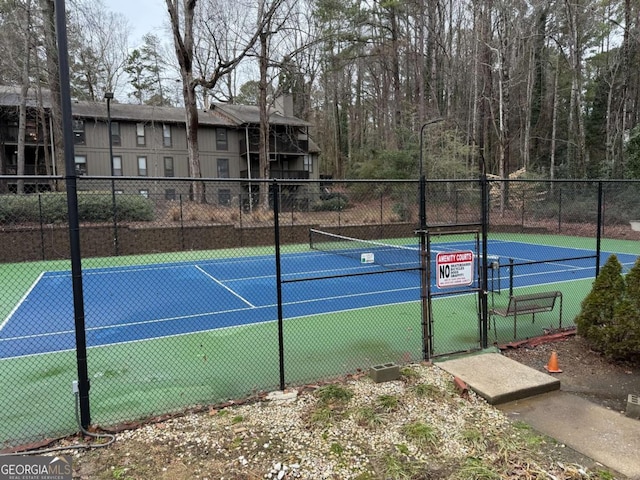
(584, 372)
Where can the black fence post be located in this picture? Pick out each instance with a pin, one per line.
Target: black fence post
(484, 306)
(241, 207)
(599, 228)
(181, 223)
(41, 225)
(511, 277)
(74, 224)
(559, 210)
(276, 225)
(524, 190)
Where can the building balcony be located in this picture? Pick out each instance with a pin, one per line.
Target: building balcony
(278, 174)
(28, 170)
(9, 135)
(282, 144)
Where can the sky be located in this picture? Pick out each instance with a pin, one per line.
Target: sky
(144, 16)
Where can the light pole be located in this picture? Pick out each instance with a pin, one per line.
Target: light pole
(108, 97)
(425, 255)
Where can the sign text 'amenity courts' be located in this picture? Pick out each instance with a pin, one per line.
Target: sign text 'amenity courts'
(454, 269)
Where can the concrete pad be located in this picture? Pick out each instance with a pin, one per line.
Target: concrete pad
(499, 379)
(606, 436)
(278, 396)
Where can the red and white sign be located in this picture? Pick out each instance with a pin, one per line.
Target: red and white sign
(454, 269)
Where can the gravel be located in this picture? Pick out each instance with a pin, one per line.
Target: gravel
(420, 426)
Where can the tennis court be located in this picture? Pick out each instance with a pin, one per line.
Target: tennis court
(179, 298)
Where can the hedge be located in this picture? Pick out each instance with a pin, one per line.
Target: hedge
(51, 208)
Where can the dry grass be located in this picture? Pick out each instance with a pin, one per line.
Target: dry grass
(376, 213)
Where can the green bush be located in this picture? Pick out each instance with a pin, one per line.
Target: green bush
(610, 315)
(402, 211)
(333, 204)
(92, 207)
(633, 284)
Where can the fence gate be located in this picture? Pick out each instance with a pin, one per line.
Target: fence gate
(454, 297)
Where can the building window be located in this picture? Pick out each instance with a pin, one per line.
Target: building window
(168, 167)
(308, 163)
(140, 138)
(224, 197)
(117, 166)
(144, 193)
(221, 139)
(142, 166)
(79, 137)
(81, 164)
(115, 133)
(170, 194)
(223, 168)
(166, 135)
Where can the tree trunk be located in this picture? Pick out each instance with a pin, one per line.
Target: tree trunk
(191, 112)
(22, 109)
(183, 44)
(22, 130)
(554, 125)
(264, 122)
(53, 76)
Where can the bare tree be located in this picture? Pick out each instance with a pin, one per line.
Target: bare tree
(182, 15)
(98, 49)
(53, 81)
(19, 40)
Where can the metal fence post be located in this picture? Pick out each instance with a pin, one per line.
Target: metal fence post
(276, 225)
(41, 225)
(74, 224)
(599, 228)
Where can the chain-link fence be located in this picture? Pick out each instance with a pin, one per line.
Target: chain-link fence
(196, 293)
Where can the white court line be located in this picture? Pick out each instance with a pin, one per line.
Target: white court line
(33, 285)
(216, 329)
(206, 314)
(131, 324)
(225, 287)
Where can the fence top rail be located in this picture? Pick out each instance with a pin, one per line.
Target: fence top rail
(44, 178)
(316, 180)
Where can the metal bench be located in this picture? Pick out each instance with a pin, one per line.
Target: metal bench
(525, 304)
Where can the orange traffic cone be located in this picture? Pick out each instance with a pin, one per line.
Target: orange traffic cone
(552, 366)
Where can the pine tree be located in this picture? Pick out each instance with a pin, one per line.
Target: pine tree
(599, 305)
(610, 315)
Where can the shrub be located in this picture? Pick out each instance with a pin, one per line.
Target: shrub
(622, 335)
(610, 315)
(402, 211)
(132, 208)
(632, 281)
(332, 204)
(92, 207)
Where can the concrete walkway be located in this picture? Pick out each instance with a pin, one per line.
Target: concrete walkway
(535, 398)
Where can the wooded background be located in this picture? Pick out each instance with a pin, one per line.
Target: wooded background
(549, 86)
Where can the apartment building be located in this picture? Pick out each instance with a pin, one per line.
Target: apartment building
(148, 141)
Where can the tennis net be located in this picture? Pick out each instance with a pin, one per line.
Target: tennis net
(393, 257)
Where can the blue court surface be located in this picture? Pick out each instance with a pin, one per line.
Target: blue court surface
(127, 304)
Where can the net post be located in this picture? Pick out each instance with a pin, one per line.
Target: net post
(511, 277)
